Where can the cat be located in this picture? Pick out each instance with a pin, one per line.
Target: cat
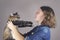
(8, 35)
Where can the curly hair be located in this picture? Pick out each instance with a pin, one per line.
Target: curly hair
(49, 16)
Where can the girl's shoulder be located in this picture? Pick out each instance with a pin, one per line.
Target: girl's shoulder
(44, 28)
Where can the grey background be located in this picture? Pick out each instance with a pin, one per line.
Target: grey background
(26, 9)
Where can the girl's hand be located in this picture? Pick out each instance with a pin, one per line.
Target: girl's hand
(16, 34)
(11, 26)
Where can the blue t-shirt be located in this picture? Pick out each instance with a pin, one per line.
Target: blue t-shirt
(41, 32)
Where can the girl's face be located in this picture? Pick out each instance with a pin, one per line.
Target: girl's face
(39, 16)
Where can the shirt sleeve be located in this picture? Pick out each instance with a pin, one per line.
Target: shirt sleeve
(39, 35)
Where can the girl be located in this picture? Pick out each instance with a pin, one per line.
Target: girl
(45, 17)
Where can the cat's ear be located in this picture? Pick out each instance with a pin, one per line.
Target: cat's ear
(11, 14)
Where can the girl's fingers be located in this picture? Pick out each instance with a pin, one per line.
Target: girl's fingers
(10, 25)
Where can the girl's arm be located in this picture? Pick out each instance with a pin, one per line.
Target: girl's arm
(17, 35)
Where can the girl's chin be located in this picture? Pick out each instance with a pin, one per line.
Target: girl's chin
(36, 20)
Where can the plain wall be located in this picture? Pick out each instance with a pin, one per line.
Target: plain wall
(26, 10)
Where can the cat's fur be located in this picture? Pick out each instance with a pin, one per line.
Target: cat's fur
(7, 35)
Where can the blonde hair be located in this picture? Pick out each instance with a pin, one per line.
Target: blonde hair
(49, 16)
